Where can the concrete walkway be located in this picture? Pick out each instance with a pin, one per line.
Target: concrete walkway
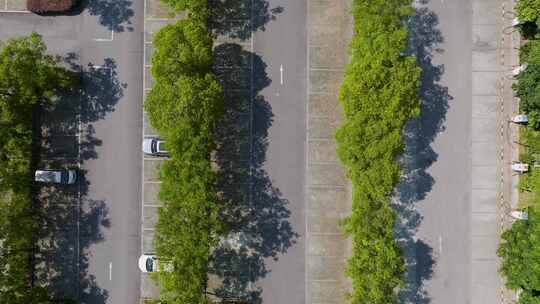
(327, 193)
(492, 150)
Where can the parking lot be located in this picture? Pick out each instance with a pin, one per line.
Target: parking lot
(71, 220)
(156, 16)
(88, 238)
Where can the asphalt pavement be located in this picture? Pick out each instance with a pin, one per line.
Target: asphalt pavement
(435, 195)
(114, 176)
(94, 255)
(282, 47)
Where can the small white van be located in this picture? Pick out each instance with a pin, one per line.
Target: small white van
(62, 176)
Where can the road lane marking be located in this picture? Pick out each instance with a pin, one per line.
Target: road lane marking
(440, 244)
(281, 73)
(110, 271)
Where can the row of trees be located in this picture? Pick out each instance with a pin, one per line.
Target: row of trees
(379, 96)
(184, 106)
(527, 13)
(519, 249)
(528, 85)
(28, 78)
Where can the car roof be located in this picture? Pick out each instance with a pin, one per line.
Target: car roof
(48, 175)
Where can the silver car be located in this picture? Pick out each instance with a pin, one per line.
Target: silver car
(61, 176)
(154, 146)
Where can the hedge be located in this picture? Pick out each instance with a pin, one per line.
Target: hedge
(528, 85)
(184, 106)
(379, 96)
(520, 250)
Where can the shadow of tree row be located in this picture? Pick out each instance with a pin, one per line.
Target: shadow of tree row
(70, 222)
(115, 15)
(240, 18)
(255, 207)
(419, 134)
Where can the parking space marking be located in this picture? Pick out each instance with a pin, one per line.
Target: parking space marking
(153, 182)
(105, 39)
(152, 205)
(155, 158)
(110, 271)
(281, 74)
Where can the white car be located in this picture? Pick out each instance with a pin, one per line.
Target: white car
(518, 70)
(519, 215)
(62, 176)
(520, 167)
(150, 263)
(154, 146)
(520, 119)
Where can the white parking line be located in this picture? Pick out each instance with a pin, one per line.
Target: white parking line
(110, 271)
(281, 74)
(106, 39)
(152, 205)
(155, 158)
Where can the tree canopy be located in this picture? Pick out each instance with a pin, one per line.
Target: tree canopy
(379, 96)
(28, 78)
(184, 106)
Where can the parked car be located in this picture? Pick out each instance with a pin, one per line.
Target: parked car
(520, 167)
(61, 176)
(520, 119)
(150, 263)
(154, 146)
(519, 215)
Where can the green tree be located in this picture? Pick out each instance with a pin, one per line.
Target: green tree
(528, 85)
(183, 106)
(181, 48)
(192, 103)
(28, 78)
(190, 5)
(528, 10)
(520, 254)
(379, 95)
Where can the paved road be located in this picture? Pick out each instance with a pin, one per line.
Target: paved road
(440, 147)
(115, 175)
(283, 44)
(106, 228)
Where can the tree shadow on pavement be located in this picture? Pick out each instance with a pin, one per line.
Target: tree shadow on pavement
(70, 221)
(240, 18)
(255, 208)
(419, 134)
(115, 15)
